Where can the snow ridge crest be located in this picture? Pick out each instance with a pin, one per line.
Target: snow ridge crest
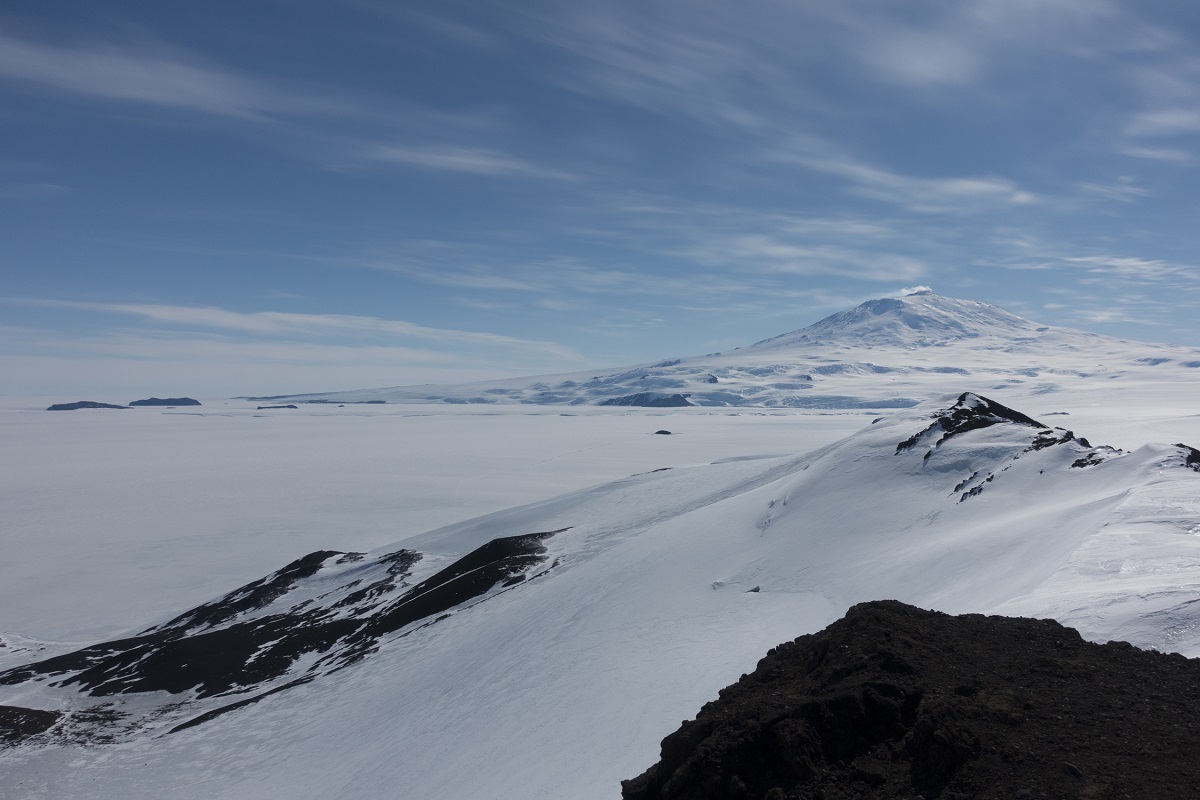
(970, 412)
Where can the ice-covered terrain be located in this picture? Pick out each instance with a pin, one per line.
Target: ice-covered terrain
(114, 520)
(511, 601)
(886, 353)
(543, 651)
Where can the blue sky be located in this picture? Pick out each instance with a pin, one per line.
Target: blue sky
(248, 198)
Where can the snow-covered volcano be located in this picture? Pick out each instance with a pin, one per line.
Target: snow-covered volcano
(919, 319)
(545, 650)
(886, 353)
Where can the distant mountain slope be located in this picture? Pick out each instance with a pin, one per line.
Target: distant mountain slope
(544, 651)
(886, 353)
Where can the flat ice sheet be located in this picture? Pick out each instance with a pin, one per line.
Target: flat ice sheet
(115, 519)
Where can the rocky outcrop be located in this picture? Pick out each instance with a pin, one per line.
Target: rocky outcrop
(895, 702)
(268, 636)
(18, 724)
(648, 400)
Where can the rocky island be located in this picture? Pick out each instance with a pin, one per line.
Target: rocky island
(167, 401)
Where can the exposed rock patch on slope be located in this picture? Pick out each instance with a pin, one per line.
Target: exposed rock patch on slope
(971, 412)
(648, 400)
(18, 724)
(895, 702)
(317, 615)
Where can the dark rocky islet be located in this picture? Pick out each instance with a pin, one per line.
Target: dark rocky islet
(166, 401)
(81, 404)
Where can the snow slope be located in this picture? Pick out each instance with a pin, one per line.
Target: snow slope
(543, 651)
(886, 353)
(115, 520)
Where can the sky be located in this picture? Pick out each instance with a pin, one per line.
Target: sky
(229, 198)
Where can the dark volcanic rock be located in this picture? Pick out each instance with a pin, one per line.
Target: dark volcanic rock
(18, 724)
(1192, 459)
(258, 594)
(264, 408)
(81, 404)
(168, 401)
(971, 412)
(648, 400)
(895, 702)
(249, 642)
(339, 405)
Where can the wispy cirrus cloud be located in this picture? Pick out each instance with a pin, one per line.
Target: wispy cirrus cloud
(1111, 289)
(940, 195)
(1165, 122)
(921, 58)
(758, 243)
(670, 63)
(472, 160)
(1124, 190)
(1156, 153)
(1108, 316)
(703, 61)
(128, 362)
(769, 254)
(560, 276)
(1039, 255)
(153, 76)
(287, 324)
(1137, 269)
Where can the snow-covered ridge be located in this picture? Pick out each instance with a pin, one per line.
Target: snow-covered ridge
(886, 353)
(476, 645)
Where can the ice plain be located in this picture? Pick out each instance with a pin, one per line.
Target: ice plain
(115, 519)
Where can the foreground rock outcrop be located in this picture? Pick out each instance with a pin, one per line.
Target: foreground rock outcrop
(895, 702)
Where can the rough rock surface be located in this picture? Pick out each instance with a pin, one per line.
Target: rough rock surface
(895, 702)
(17, 724)
(267, 637)
(648, 400)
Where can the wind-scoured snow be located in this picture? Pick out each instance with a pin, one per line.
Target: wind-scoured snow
(633, 602)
